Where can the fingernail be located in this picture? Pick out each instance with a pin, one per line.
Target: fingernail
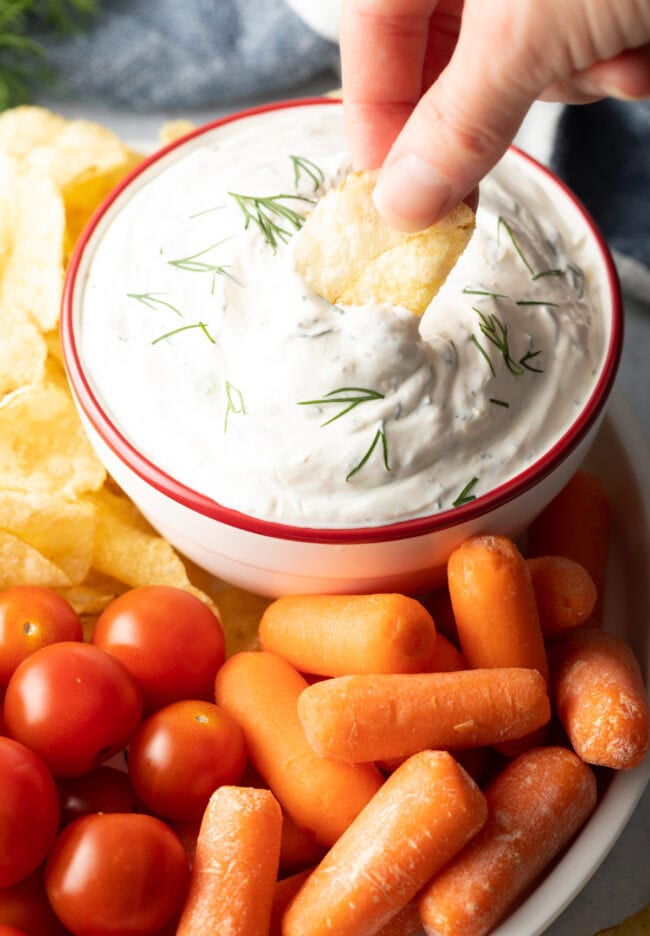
(410, 194)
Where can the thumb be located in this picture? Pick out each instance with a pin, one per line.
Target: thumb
(456, 133)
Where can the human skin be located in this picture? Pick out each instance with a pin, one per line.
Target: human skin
(435, 91)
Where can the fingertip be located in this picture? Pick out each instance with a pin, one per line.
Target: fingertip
(411, 194)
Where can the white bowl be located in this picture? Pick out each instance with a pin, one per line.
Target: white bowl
(274, 558)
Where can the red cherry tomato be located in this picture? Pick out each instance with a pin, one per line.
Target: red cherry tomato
(11, 931)
(74, 705)
(181, 754)
(105, 789)
(32, 617)
(29, 811)
(170, 641)
(25, 906)
(116, 874)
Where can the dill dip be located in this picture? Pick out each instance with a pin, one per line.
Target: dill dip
(214, 358)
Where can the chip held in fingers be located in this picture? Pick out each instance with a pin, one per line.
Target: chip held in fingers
(351, 256)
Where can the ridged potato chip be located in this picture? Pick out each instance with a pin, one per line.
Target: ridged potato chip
(22, 129)
(23, 352)
(21, 564)
(241, 612)
(351, 256)
(173, 130)
(43, 447)
(32, 233)
(63, 531)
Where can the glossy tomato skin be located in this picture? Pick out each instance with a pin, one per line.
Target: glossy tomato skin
(117, 875)
(32, 617)
(170, 641)
(181, 754)
(74, 705)
(25, 906)
(29, 811)
(104, 789)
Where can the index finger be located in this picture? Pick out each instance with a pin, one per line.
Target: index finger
(383, 49)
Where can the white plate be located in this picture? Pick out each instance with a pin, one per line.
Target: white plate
(620, 457)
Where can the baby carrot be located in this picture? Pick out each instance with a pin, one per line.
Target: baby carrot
(367, 718)
(576, 525)
(446, 657)
(298, 849)
(423, 815)
(564, 592)
(335, 635)
(405, 923)
(261, 690)
(236, 865)
(285, 891)
(494, 605)
(535, 806)
(600, 698)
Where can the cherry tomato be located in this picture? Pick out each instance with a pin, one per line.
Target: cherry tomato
(74, 705)
(11, 931)
(170, 641)
(25, 906)
(116, 874)
(105, 789)
(29, 811)
(32, 617)
(181, 754)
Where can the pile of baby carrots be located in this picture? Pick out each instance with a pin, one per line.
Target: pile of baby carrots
(419, 775)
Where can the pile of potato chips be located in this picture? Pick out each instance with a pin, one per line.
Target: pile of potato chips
(63, 522)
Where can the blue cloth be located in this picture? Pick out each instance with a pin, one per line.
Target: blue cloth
(175, 55)
(602, 151)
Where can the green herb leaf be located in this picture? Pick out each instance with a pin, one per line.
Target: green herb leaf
(235, 403)
(380, 436)
(535, 302)
(542, 273)
(303, 165)
(496, 332)
(263, 212)
(467, 291)
(151, 301)
(192, 265)
(502, 223)
(499, 402)
(357, 395)
(528, 356)
(484, 353)
(185, 328)
(205, 211)
(465, 497)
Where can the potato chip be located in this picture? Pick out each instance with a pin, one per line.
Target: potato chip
(637, 925)
(61, 530)
(350, 255)
(21, 564)
(32, 228)
(128, 552)
(24, 128)
(43, 447)
(241, 612)
(174, 130)
(22, 352)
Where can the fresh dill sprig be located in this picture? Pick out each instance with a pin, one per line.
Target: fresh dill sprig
(205, 211)
(151, 301)
(502, 223)
(302, 164)
(528, 356)
(496, 333)
(23, 60)
(535, 302)
(554, 272)
(237, 407)
(184, 328)
(360, 395)
(499, 402)
(465, 497)
(263, 212)
(484, 353)
(467, 291)
(192, 265)
(380, 436)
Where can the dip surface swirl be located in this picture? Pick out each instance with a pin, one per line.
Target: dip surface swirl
(215, 359)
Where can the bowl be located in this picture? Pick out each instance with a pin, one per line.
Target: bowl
(274, 558)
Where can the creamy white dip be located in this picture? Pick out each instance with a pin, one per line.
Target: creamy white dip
(223, 403)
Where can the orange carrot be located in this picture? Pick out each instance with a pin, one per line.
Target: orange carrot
(335, 635)
(576, 525)
(405, 923)
(535, 805)
(285, 891)
(600, 698)
(261, 690)
(447, 658)
(475, 761)
(236, 865)
(494, 605)
(564, 592)
(423, 815)
(367, 718)
(298, 849)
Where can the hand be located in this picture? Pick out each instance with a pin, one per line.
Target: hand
(436, 91)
